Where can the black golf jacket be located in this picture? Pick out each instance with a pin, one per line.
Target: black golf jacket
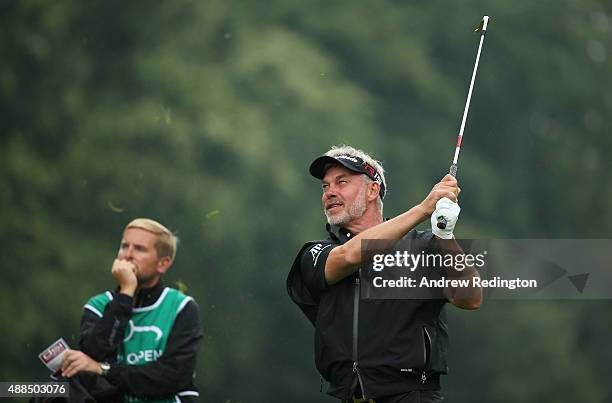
(371, 347)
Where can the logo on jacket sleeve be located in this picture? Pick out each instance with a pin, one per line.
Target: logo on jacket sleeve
(316, 250)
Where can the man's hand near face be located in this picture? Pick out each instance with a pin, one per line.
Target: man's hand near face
(124, 273)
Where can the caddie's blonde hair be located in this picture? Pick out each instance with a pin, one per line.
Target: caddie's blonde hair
(167, 242)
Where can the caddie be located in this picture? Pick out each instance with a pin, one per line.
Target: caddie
(142, 338)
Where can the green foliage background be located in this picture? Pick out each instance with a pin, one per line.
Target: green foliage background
(205, 116)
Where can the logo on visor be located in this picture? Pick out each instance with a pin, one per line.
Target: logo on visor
(372, 172)
(369, 169)
(347, 157)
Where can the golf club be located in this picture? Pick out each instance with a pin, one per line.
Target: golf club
(453, 168)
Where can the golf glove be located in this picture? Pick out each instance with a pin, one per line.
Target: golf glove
(449, 210)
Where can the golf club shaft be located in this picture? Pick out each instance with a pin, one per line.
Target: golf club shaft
(453, 168)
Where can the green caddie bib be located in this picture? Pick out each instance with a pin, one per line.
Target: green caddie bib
(147, 331)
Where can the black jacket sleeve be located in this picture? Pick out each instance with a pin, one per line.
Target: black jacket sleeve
(306, 279)
(171, 373)
(100, 337)
(312, 267)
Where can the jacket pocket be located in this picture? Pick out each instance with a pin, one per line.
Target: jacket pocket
(414, 350)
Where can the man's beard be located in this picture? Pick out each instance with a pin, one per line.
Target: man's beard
(356, 210)
(146, 280)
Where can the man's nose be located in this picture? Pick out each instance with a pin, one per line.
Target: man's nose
(128, 253)
(329, 192)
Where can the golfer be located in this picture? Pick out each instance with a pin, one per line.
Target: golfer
(374, 350)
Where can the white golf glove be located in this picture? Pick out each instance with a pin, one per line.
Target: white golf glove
(449, 210)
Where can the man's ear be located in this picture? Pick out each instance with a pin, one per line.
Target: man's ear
(164, 264)
(373, 191)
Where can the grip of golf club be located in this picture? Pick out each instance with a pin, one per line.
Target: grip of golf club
(441, 219)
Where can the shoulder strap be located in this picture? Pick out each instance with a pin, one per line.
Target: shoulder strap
(97, 303)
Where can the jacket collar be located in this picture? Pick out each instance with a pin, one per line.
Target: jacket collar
(148, 296)
(338, 234)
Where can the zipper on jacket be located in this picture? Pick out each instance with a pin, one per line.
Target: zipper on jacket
(355, 318)
(356, 334)
(356, 370)
(426, 341)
